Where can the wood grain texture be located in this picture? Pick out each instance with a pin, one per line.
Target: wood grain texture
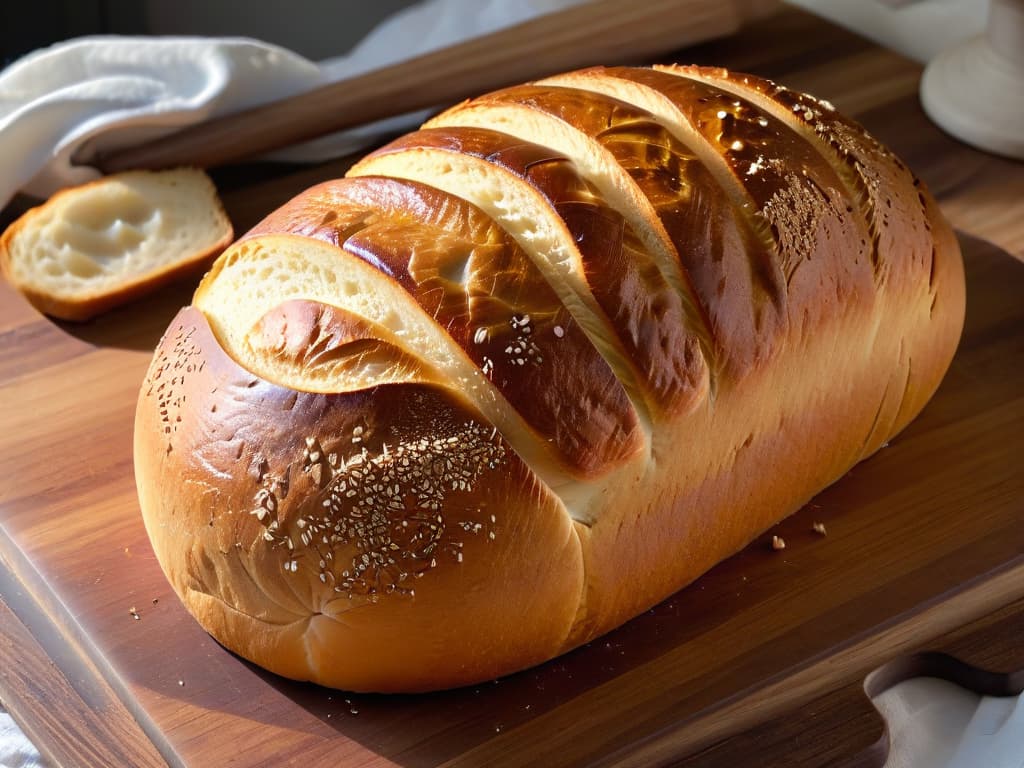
(922, 539)
(843, 730)
(55, 692)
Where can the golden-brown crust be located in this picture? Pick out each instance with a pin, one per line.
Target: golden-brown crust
(822, 244)
(479, 286)
(626, 283)
(909, 237)
(86, 308)
(329, 344)
(320, 534)
(655, 161)
(729, 273)
(834, 290)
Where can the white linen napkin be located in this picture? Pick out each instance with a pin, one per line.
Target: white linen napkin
(16, 751)
(118, 91)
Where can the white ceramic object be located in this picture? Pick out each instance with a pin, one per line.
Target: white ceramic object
(934, 723)
(975, 91)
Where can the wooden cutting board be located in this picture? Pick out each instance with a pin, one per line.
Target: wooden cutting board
(922, 538)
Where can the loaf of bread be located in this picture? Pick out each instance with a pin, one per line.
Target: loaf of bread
(528, 371)
(94, 247)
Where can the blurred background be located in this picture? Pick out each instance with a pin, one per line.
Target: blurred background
(338, 25)
(916, 28)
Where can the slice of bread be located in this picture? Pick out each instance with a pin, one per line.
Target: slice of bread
(93, 247)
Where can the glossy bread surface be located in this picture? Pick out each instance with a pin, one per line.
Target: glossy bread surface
(528, 371)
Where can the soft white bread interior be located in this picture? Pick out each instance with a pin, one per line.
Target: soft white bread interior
(528, 371)
(92, 247)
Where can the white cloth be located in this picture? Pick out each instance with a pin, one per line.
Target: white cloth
(934, 723)
(117, 91)
(16, 751)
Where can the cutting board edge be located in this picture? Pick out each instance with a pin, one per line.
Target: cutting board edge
(909, 633)
(47, 618)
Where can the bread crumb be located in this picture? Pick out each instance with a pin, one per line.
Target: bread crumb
(134, 613)
(778, 543)
(819, 528)
(181, 683)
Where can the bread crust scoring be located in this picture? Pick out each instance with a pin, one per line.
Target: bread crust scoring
(344, 487)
